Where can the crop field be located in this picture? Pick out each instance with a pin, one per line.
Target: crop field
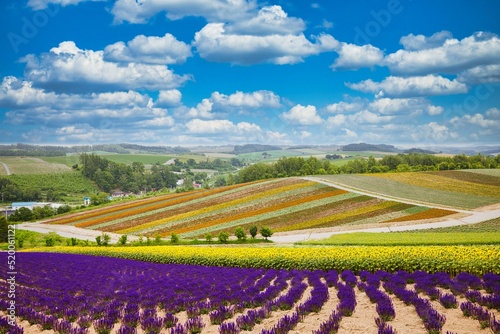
(28, 165)
(454, 189)
(110, 295)
(283, 205)
(72, 185)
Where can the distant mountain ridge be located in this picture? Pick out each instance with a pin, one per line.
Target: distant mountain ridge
(249, 148)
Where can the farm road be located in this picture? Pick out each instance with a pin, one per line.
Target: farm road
(7, 170)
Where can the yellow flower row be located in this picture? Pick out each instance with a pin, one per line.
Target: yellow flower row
(342, 215)
(452, 259)
(217, 207)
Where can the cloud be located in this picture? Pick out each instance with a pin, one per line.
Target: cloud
(168, 98)
(43, 4)
(68, 68)
(270, 20)
(198, 126)
(301, 115)
(480, 75)
(29, 105)
(421, 42)
(442, 54)
(165, 121)
(257, 99)
(490, 120)
(411, 86)
(214, 43)
(336, 121)
(218, 104)
(387, 106)
(149, 50)
(433, 132)
(352, 56)
(345, 107)
(213, 10)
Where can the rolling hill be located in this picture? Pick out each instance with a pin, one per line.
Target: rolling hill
(289, 204)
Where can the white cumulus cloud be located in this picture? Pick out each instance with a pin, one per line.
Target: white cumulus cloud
(393, 86)
(302, 115)
(149, 50)
(352, 56)
(67, 67)
(42, 4)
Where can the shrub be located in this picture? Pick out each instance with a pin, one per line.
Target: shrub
(266, 232)
(253, 231)
(98, 240)
(174, 238)
(105, 239)
(123, 239)
(209, 237)
(223, 237)
(240, 233)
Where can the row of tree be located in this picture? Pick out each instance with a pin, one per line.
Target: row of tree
(25, 214)
(298, 166)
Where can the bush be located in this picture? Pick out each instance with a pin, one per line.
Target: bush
(98, 240)
(240, 233)
(223, 237)
(158, 238)
(105, 239)
(209, 237)
(266, 232)
(253, 231)
(123, 239)
(174, 238)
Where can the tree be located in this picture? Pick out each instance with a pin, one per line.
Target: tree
(223, 237)
(240, 233)
(208, 237)
(106, 238)
(174, 238)
(4, 229)
(123, 239)
(253, 231)
(266, 232)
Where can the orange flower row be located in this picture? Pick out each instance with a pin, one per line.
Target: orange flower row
(259, 211)
(142, 209)
(427, 214)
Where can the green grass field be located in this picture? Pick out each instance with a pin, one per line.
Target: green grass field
(29, 165)
(400, 185)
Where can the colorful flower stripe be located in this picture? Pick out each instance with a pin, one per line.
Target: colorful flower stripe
(337, 217)
(258, 203)
(185, 200)
(476, 260)
(179, 199)
(427, 214)
(309, 213)
(170, 227)
(257, 219)
(216, 207)
(428, 180)
(114, 208)
(258, 211)
(172, 210)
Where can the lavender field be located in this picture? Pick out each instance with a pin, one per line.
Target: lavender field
(63, 293)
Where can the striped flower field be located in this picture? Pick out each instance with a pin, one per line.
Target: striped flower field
(283, 205)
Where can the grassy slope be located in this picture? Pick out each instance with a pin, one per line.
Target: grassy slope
(29, 165)
(387, 184)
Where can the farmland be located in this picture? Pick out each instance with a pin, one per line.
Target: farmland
(119, 295)
(283, 205)
(455, 189)
(29, 165)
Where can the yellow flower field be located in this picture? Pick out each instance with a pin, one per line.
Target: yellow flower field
(452, 259)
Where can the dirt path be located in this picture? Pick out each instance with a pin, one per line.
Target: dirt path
(7, 170)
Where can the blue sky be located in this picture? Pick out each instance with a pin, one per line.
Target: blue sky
(210, 72)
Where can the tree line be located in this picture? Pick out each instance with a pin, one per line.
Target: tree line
(299, 166)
